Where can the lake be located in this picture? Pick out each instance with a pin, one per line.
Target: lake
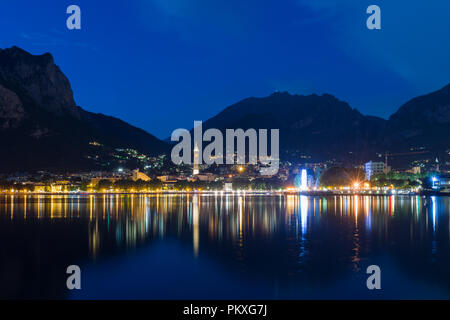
(194, 246)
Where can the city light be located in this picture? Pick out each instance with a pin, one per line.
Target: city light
(304, 180)
(434, 182)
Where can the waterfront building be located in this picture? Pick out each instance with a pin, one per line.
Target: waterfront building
(167, 178)
(414, 170)
(95, 181)
(444, 183)
(196, 170)
(373, 168)
(228, 187)
(208, 177)
(40, 187)
(137, 175)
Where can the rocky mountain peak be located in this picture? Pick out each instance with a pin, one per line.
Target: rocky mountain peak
(38, 79)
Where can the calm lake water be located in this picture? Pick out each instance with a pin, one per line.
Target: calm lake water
(224, 247)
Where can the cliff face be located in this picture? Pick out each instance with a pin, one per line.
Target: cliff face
(38, 79)
(11, 109)
(41, 127)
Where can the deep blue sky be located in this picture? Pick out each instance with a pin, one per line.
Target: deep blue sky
(161, 64)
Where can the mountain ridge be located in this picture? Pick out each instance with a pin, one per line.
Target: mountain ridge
(41, 126)
(306, 123)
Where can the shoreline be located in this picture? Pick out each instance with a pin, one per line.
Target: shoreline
(246, 192)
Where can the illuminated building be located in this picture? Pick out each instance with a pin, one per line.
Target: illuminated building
(209, 177)
(444, 183)
(39, 188)
(304, 180)
(196, 170)
(373, 168)
(95, 181)
(414, 170)
(137, 175)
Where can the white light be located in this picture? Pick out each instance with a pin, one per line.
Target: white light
(304, 180)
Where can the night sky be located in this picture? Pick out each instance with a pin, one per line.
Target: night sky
(161, 64)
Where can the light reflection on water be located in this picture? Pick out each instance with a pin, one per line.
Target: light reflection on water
(294, 240)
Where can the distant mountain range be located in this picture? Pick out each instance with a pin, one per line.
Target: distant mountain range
(323, 127)
(41, 127)
(318, 126)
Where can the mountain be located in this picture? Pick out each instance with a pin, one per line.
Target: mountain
(421, 122)
(321, 127)
(41, 127)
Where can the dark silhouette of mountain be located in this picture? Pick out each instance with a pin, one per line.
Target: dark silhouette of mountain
(421, 122)
(322, 127)
(41, 127)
